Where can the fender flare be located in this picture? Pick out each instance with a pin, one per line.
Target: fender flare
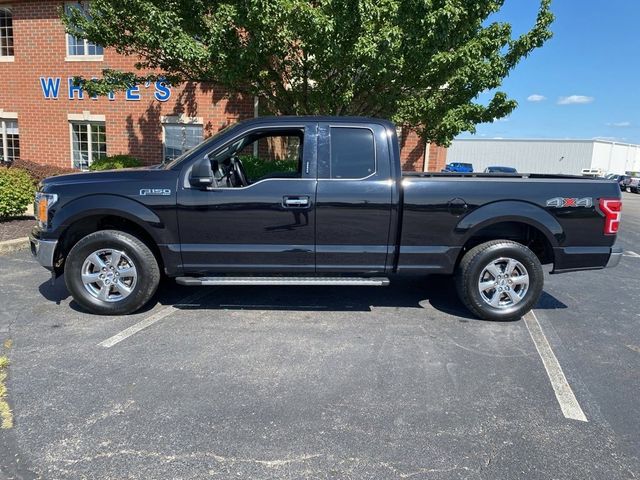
(511, 211)
(101, 204)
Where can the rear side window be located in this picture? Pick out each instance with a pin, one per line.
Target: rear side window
(352, 153)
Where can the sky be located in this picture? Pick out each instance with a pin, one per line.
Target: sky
(584, 83)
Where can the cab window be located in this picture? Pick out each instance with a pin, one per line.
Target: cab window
(352, 153)
(258, 156)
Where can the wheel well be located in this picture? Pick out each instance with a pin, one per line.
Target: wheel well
(81, 228)
(527, 235)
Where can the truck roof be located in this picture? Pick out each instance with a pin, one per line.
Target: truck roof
(318, 118)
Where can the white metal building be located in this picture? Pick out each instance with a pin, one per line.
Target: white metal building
(547, 156)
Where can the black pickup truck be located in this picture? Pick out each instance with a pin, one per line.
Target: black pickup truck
(318, 201)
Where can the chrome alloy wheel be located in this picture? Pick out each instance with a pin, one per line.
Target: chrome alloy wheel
(109, 275)
(503, 283)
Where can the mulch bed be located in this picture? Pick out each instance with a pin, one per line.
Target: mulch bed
(17, 227)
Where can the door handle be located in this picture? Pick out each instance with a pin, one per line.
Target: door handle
(296, 202)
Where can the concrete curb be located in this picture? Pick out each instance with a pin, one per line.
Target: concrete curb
(14, 245)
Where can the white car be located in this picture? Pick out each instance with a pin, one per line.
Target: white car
(633, 185)
(591, 172)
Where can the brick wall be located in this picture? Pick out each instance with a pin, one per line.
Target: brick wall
(132, 127)
(412, 153)
(437, 158)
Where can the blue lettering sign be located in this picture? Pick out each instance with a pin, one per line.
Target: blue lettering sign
(133, 93)
(163, 92)
(50, 87)
(73, 89)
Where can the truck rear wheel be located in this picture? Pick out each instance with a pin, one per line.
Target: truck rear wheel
(111, 273)
(499, 280)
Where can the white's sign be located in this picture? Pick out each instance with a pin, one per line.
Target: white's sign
(51, 90)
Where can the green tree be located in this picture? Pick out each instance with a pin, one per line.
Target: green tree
(421, 63)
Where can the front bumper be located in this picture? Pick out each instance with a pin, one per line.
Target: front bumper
(616, 256)
(43, 250)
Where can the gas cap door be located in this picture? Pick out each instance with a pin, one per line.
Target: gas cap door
(457, 206)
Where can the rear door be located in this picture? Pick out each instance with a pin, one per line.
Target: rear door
(354, 198)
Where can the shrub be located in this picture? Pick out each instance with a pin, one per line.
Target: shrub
(115, 162)
(38, 172)
(16, 192)
(257, 168)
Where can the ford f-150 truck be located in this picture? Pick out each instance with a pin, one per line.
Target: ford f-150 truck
(328, 205)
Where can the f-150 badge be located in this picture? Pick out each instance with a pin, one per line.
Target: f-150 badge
(560, 202)
(155, 191)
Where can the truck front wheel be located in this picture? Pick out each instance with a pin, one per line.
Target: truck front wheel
(110, 272)
(499, 280)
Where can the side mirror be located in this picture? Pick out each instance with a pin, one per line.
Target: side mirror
(201, 175)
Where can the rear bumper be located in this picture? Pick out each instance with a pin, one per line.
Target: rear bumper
(43, 251)
(616, 256)
(573, 259)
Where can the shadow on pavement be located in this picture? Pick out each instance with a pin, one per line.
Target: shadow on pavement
(56, 292)
(408, 292)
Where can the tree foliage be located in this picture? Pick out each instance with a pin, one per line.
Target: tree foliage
(422, 63)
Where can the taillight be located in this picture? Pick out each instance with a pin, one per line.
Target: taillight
(612, 209)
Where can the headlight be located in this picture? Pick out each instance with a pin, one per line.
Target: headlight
(44, 201)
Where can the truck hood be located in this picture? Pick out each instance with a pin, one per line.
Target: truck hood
(125, 174)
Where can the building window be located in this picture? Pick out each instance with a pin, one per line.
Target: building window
(180, 138)
(9, 141)
(6, 34)
(79, 48)
(88, 143)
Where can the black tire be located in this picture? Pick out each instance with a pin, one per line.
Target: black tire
(146, 268)
(473, 265)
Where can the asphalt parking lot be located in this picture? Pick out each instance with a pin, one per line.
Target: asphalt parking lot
(295, 382)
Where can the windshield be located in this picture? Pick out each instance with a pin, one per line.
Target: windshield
(209, 140)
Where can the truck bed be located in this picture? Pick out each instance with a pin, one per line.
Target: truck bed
(442, 211)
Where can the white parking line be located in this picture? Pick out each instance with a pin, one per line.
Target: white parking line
(566, 398)
(631, 254)
(156, 317)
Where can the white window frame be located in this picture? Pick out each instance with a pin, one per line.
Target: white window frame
(427, 154)
(8, 58)
(85, 119)
(4, 117)
(80, 58)
(178, 120)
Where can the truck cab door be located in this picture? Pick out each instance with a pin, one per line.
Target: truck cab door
(264, 226)
(354, 199)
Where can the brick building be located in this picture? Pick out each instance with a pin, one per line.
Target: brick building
(44, 118)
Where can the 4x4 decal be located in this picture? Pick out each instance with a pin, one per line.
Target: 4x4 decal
(561, 202)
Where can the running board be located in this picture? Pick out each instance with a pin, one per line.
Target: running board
(350, 281)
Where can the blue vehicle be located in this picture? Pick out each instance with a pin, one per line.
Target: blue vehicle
(458, 167)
